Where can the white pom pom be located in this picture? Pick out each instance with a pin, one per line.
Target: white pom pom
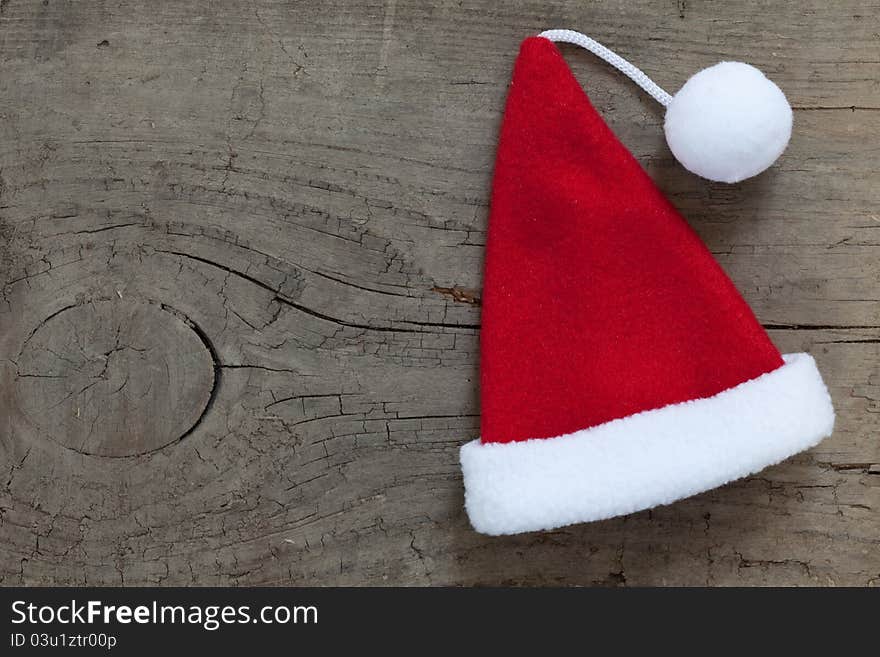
(728, 122)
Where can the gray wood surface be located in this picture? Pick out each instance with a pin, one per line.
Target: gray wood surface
(240, 253)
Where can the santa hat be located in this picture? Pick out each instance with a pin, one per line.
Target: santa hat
(620, 367)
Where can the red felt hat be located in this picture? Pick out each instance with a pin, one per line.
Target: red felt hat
(620, 367)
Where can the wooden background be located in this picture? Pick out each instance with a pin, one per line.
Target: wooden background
(241, 266)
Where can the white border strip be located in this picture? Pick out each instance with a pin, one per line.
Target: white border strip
(647, 459)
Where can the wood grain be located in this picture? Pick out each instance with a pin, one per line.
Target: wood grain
(285, 204)
(114, 378)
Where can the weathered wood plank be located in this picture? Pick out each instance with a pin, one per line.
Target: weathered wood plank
(297, 194)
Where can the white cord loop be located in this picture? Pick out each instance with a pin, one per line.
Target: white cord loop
(618, 62)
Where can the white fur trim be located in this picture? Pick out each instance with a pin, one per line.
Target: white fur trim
(647, 459)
